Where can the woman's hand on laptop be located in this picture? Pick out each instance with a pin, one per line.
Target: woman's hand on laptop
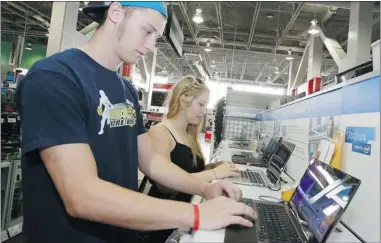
(222, 188)
(226, 170)
(222, 211)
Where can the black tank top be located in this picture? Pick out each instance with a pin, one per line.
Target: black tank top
(182, 156)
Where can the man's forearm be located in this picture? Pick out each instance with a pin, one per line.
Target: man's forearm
(171, 176)
(108, 203)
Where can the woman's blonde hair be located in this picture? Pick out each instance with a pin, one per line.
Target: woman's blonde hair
(185, 91)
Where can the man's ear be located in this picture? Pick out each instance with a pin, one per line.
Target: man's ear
(115, 12)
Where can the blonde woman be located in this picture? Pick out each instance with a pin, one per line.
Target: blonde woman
(177, 139)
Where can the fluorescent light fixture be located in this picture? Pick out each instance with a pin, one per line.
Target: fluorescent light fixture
(289, 55)
(212, 66)
(208, 48)
(28, 47)
(313, 30)
(197, 18)
(258, 89)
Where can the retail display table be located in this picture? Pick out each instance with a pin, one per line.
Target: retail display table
(253, 193)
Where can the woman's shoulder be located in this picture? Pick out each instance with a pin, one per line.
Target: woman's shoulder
(160, 131)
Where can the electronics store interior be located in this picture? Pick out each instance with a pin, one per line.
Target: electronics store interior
(294, 104)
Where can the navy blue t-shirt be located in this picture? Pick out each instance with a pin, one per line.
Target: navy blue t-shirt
(70, 98)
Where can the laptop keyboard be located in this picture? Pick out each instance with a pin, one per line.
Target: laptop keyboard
(247, 154)
(253, 177)
(276, 225)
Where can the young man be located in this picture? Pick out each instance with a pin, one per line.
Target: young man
(83, 140)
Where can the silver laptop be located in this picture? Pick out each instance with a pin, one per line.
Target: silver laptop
(277, 165)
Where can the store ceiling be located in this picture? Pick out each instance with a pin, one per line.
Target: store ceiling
(271, 28)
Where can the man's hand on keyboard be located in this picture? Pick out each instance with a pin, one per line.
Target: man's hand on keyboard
(222, 211)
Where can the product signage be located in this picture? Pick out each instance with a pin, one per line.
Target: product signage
(362, 148)
(359, 137)
(359, 134)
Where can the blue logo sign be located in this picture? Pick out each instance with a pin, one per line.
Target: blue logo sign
(362, 148)
(359, 134)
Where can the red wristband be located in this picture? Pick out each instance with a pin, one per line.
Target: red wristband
(196, 212)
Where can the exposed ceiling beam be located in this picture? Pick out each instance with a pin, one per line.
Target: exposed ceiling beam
(280, 73)
(21, 33)
(23, 16)
(226, 66)
(30, 13)
(220, 22)
(5, 20)
(342, 5)
(243, 68)
(33, 9)
(279, 41)
(237, 81)
(257, 34)
(169, 60)
(289, 24)
(253, 24)
(262, 70)
(328, 14)
(342, 44)
(255, 45)
(237, 52)
(183, 9)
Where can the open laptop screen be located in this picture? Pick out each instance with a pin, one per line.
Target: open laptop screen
(322, 197)
(278, 162)
(270, 149)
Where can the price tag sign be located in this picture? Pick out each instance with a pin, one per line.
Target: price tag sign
(12, 120)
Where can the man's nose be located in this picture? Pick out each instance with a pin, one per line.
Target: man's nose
(150, 44)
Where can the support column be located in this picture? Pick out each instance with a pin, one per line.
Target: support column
(302, 69)
(360, 34)
(292, 70)
(149, 68)
(314, 57)
(63, 32)
(18, 47)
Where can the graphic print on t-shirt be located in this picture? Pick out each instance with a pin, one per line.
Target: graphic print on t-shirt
(116, 115)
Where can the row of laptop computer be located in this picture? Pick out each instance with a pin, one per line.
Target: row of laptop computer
(319, 201)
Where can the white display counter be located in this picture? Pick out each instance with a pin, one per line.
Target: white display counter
(203, 236)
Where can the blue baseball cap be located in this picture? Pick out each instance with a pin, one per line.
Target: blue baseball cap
(96, 12)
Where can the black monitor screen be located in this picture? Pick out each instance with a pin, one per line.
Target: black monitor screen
(158, 98)
(322, 197)
(278, 162)
(173, 32)
(270, 149)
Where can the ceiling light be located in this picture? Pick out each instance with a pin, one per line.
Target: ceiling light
(80, 9)
(197, 18)
(313, 30)
(276, 71)
(289, 56)
(28, 47)
(86, 2)
(270, 16)
(47, 34)
(208, 48)
(212, 66)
